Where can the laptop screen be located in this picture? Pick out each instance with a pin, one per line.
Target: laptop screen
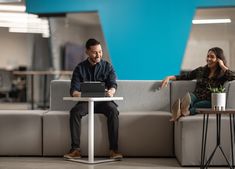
(92, 89)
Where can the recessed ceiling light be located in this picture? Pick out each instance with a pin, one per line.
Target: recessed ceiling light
(211, 21)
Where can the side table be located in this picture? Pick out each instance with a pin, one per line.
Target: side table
(218, 113)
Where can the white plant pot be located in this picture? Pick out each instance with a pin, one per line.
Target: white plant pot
(218, 101)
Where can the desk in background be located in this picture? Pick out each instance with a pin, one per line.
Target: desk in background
(32, 74)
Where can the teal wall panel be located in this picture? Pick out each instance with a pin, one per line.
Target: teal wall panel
(146, 39)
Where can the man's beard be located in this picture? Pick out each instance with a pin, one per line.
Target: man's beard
(95, 60)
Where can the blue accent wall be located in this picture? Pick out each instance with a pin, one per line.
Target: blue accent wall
(146, 39)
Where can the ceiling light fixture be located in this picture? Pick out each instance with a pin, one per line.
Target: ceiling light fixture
(211, 21)
(22, 22)
(9, 1)
(13, 8)
(45, 33)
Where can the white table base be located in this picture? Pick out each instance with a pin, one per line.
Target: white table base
(97, 161)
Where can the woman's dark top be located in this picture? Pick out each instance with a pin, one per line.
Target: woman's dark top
(201, 74)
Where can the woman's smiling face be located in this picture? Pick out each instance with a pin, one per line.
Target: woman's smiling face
(211, 59)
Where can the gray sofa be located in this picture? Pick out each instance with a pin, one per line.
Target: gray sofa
(144, 115)
(188, 130)
(144, 131)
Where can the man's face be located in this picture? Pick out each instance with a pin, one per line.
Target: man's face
(95, 53)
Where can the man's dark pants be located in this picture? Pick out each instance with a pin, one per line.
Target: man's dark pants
(109, 109)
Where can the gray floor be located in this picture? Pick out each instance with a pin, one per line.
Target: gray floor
(60, 163)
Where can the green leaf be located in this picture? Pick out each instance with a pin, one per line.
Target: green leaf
(219, 89)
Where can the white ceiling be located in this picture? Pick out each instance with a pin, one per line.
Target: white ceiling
(12, 2)
(225, 31)
(88, 18)
(215, 13)
(92, 18)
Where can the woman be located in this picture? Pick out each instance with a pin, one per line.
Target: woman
(214, 74)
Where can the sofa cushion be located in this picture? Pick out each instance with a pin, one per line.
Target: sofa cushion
(231, 95)
(142, 95)
(188, 138)
(146, 134)
(21, 132)
(139, 95)
(140, 134)
(60, 89)
(56, 135)
(180, 88)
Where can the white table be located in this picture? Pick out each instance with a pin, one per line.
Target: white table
(91, 101)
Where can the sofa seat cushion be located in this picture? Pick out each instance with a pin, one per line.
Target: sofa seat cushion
(56, 134)
(140, 134)
(21, 132)
(188, 138)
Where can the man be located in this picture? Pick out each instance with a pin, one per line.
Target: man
(94, 69)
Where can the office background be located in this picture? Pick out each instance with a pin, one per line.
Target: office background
(145, 39)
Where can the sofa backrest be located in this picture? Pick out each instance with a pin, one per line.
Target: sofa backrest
(139, 95)
(180, 88)
(58, 90)
(143, 95)
(230, 86)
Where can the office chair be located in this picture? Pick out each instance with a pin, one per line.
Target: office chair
(5, 83)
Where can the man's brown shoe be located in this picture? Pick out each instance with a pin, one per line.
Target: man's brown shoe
(73, 154)
(115, 155)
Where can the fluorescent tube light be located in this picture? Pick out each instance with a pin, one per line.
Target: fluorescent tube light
(211, 21)
(45, 33)
(24, 23)
(16, 15)
(29, 25)
(26, 30)
(9, 1)
(13, 8)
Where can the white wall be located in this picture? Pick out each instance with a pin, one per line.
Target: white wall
(97, 33)
(16, 49)
(232, 51)
(62, 32)
(196, 52)
(204, 37)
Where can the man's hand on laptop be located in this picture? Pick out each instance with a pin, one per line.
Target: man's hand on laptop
(76, 94)
(110, 92)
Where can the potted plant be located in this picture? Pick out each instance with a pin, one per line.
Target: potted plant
(218, 97)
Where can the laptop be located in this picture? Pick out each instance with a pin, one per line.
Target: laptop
(92, 89)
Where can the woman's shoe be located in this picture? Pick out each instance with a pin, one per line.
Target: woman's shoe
(175, 110)
(185, 104)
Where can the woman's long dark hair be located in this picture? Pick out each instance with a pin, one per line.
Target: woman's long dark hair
(219, 53)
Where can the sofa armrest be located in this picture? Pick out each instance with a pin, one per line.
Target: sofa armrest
(230, 90)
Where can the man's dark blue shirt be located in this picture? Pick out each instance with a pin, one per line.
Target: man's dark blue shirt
(85, 71)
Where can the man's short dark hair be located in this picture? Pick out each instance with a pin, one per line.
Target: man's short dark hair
(91, 42)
